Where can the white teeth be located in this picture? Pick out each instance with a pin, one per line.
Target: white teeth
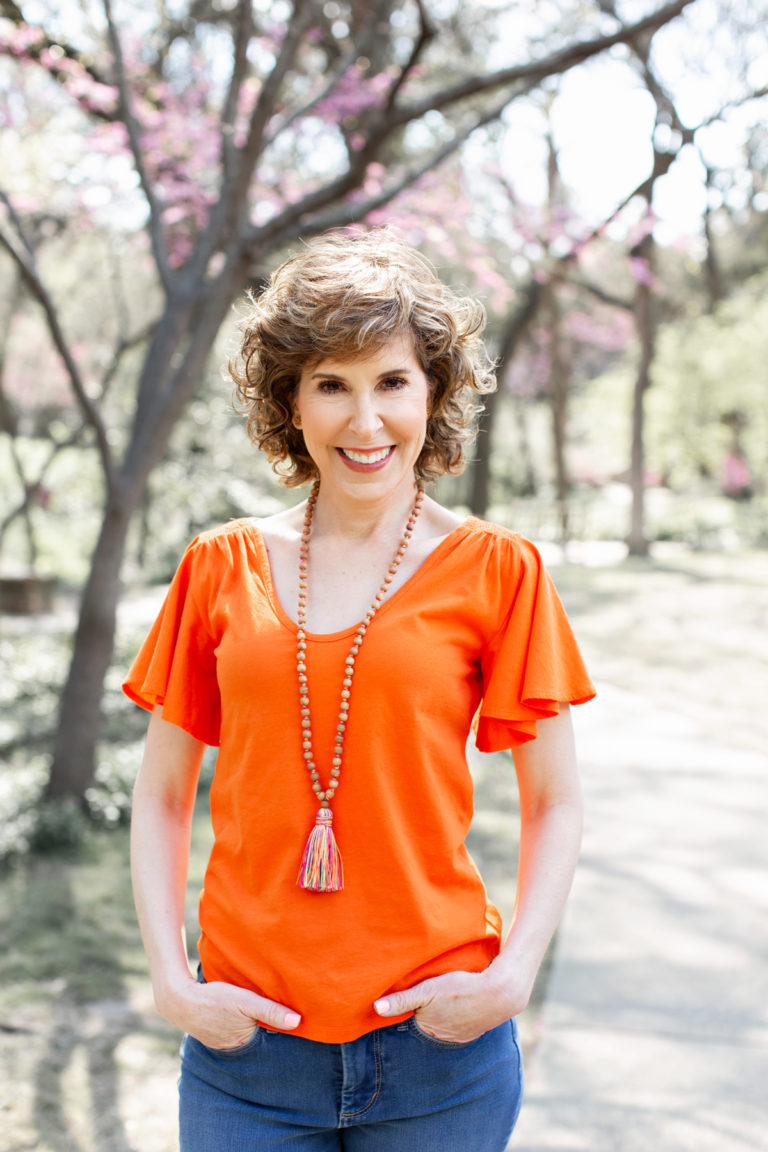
(366, 457)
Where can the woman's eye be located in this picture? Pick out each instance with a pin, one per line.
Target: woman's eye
(329, 386)
(393, 383)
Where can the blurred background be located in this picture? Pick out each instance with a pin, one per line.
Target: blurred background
(596, 172)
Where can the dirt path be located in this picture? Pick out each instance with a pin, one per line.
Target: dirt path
(655, 1027)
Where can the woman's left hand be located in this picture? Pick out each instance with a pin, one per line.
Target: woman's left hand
(457, 1007)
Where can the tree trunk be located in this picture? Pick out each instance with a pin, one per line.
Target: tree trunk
(558, 368)
(184, 338)
(480, 477)
(80, 710)
(559, 403)
(637, 541)
(515, 328)
(528, 483)
(713, 276)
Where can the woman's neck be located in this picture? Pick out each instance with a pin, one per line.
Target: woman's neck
(360, 520)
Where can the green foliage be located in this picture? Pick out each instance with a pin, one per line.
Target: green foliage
(109, 799)
(58, 826)
(35, 661)
(707, 366)
(21, 785)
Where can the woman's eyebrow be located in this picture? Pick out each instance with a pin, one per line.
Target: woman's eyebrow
(339, 375)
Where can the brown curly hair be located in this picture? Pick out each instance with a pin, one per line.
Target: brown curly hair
(347, 294)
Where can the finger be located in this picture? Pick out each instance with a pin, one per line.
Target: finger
(269, 1012)
(395, 1003)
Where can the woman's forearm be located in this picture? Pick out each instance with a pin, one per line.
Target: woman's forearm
(161, 821)
(549, 849)
(550, 838)
(159, 861)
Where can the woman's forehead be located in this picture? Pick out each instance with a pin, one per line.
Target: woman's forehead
(398, 346)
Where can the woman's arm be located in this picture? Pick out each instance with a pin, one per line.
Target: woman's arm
(461, 1005)
(220, 1015)
(550, 838)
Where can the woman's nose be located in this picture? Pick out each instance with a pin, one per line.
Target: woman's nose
(365, 420)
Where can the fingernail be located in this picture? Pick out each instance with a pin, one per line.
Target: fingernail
(292, 1019)
(381, 1006)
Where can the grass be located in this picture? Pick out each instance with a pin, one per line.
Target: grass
(80, 1045)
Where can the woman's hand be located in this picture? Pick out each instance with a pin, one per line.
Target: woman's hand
(222, 1015)
(457, 1007)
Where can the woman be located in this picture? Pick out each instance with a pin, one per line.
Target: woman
(353, 992)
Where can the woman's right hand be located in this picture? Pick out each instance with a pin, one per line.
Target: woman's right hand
(222, 1015)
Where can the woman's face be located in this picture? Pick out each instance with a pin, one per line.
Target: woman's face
(364, 420)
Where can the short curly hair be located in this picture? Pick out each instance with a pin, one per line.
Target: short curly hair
(348, 294)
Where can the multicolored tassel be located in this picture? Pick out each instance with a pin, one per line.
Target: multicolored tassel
(321, 867)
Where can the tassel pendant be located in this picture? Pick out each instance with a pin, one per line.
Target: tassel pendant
(321, 868)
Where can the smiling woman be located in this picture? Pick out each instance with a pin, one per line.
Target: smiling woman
(357, 995)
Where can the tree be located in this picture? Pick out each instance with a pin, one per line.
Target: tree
(335, 95)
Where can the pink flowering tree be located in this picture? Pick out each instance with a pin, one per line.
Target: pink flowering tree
(233, 129)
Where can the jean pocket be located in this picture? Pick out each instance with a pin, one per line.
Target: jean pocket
(240, 1050)
(435, 1041)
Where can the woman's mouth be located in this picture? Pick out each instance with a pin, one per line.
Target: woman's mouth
(365, 460)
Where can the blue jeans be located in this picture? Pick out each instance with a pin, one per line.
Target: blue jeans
(392, 1090)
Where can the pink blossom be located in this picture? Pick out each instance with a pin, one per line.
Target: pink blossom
(641, 271)
(353, 93)
(19, 39)
(608, 335)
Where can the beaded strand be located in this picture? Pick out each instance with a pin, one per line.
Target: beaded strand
(321, 869)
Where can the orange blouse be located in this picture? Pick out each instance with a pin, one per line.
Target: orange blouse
(478, 626)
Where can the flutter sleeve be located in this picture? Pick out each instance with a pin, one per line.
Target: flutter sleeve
(532, 663)
(176, 664)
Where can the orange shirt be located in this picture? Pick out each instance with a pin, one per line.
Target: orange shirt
(479, 625)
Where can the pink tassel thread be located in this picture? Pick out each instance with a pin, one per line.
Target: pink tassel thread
(321, 867)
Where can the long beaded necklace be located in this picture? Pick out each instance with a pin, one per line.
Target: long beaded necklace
(321, 867)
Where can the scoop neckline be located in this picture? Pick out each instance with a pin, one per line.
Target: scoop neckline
(329, 637)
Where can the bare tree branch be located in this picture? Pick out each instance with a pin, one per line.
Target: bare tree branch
(298, 218)
(18, 224)
(25, 263)
(602, 294)
(758, 94)
(227, 218)
(241, 38)
(536, 70)
(427, 33)
(265, 105)
(364, 46)
(32, 486)
(127, 344)
(12, 12)
(134, 139)
(526, 76)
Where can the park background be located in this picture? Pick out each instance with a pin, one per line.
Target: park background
(596, 172)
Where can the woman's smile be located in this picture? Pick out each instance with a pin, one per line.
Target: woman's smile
(366, 459)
